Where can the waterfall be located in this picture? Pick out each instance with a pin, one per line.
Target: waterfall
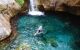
(33, 10)
(32, 5)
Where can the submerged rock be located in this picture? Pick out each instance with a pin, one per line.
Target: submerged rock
(24, 46)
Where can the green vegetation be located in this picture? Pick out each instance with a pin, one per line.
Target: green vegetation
(20, 2)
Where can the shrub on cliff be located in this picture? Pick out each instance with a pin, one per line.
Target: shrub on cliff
(20, 2)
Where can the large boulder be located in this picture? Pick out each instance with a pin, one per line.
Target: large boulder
(5, 28)
(8, 8)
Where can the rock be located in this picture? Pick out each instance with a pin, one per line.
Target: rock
(8, 8)
(24, 46)
(25, 7)
(70, 6)
(5, 28)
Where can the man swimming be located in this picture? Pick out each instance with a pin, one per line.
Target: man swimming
(39, 31)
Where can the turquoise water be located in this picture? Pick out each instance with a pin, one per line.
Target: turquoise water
(57, 34)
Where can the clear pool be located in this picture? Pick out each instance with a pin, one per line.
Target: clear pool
(57, 35)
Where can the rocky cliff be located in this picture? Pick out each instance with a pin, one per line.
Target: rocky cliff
(8, 8)
(70, 6)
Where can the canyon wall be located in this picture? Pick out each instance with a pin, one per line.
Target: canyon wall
(8, 8)
(70, 6)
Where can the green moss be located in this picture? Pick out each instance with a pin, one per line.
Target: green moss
(20, 2)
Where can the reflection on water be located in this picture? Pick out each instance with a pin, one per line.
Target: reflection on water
(57, 34)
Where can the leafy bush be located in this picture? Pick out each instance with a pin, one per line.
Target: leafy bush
(20, 2)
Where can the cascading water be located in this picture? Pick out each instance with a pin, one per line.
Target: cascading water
(33, 9)
(32, 5)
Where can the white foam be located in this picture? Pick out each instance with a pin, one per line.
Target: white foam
(35, 13)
